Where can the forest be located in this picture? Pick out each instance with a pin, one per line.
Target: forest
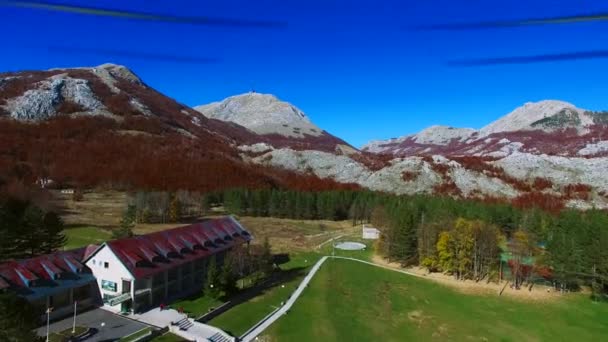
(28, 230)
(468, 239)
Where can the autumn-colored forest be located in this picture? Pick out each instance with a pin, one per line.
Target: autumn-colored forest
(91, 152)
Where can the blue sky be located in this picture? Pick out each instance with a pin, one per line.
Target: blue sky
(349, 65)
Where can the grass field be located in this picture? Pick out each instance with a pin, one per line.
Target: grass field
(168, 337)
(240, 318)
(66, 334)
(81, 236)
(196, 306)
(91, 220)
(350, 301)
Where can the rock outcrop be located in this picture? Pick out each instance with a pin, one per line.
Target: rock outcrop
(263, 114)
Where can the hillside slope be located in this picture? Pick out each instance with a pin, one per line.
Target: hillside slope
(104, 126)
(547, 127)
(278, 123)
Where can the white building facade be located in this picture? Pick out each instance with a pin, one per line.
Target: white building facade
(136, 274)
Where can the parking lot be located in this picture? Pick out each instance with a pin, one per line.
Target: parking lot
(105, 325)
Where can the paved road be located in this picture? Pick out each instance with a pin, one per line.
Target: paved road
(115, 325)
(275, 315)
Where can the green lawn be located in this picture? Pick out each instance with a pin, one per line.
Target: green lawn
(66, 334)
(82, 236)
(196, 306)
(350, 301)
(168, 337)
(240, 318)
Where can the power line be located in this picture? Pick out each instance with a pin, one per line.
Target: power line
(144, 16)
(557, 57)
(516, 23)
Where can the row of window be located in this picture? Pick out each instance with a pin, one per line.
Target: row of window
(100, 263)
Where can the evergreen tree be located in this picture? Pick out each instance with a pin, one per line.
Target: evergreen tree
(32, 232)
(52, 233)
(266, 258)
(228, 275)
(17, 319)
(212, 286)
(205, 205)
(8, 222)
(127, 223)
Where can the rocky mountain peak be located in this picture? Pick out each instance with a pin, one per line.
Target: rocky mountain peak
(524, 118)
(116, 70)
(263, 114)
(442, 135)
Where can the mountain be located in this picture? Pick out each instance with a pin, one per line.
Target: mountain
(278, 123)
(548, 153)
(104, 126)
(263, 114)
(548, 115)
(547, 127)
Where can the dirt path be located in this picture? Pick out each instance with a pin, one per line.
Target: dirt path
(538, 292)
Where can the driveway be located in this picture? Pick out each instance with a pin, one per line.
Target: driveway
(114, 328)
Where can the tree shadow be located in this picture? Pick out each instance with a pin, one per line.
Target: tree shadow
(280, 259)
(278, 278)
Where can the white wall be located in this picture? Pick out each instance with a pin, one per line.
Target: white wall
(371, 233)
(116, 272)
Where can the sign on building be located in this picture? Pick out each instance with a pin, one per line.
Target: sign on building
(108, 285)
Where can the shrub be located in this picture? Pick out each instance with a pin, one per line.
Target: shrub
(409, 176)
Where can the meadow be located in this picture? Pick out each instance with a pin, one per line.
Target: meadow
(351, 301)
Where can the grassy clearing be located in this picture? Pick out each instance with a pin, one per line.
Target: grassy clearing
(168, 337)
(81, 236)
(99, 208)
(66, 334)
(196, 306)
(240, 318)
(289, 236)
(350, 301)
(103, 210)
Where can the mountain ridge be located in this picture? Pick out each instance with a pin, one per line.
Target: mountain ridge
(103, 125)
(532, 127)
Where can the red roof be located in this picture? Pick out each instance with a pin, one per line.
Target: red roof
(88, 250)
(21, 273)
(149, 254)
(3, 284)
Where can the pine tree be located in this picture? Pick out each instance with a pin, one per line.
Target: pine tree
(17, 319)
(32, 237)
(205, 205)
(52, 231)
(228, 275)
(266, 258)
(212, 286)
(127, 223)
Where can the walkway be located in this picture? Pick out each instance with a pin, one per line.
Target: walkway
(186, 327)
(268, 320)
(257, 329)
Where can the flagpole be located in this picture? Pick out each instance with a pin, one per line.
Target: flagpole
(48, 319)
(74, 325)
